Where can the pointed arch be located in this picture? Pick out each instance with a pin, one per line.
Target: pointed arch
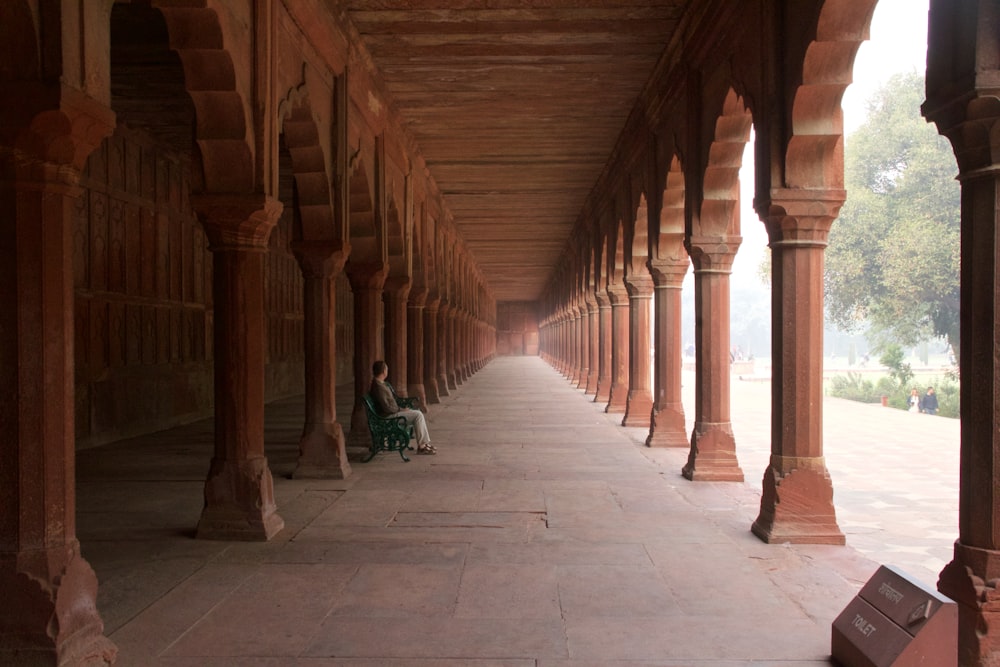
(366, 238)
(222, 130)
(312, 183)
(815, 153)
(721, 183)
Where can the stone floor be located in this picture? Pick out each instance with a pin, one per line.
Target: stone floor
(543, 534)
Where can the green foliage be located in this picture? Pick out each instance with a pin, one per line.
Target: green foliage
(855, 388)
(893, 257)
(899, 371)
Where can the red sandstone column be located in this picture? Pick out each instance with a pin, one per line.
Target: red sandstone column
(593, 344)
(584, 347)
(667, 426)
(603, 390)
(239, 491)
(444, 350)
(395, 295)
(453, 344)
(796, 502)
(49, 614)
(366, 281)
(713, 448)
(322, 448)
(618, 395)
(640, 398)
(577, 347)
(415, 346)
(430, 350)
(972, 578)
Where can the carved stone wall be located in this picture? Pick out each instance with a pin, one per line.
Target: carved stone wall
(517, 328)
(143, 297)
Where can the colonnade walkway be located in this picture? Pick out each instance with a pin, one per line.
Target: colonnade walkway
(543, 534)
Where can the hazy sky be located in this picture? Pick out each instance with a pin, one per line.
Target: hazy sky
(897, 43)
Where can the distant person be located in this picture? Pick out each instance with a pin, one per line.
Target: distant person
(386, 406)
(914, 400)
(929, 402)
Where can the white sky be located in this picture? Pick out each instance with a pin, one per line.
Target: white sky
(897, 43)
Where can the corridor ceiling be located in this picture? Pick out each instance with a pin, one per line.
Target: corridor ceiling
(516, 106)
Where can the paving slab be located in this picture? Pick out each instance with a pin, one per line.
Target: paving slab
(543, 534)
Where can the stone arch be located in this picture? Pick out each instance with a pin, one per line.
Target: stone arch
(616, 252)
(669, 225)
(222, 131)
(366, 238)
(815, 153)
(312, 185)
(639, 247)
(396, 239)
(721, 183)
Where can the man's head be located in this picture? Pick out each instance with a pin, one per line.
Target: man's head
(380, 369)
(930, 390)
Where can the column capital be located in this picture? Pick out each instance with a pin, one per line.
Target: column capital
(617, 293)
(713, 253)
(669, 272)
(237, 221)
(602, 300)
(320, 259)
(801, 217)
(370, 275)
(418, 297)
(398, 286)
(53, 124)
(639, 286)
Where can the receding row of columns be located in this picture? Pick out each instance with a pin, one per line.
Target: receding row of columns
(601, 340)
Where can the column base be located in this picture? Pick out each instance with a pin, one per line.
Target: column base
(442, 386)
(431, 395)
(713, 455)
(617, 401)
(49, 615)
(666, 427)
(322, 453)
(239, 502)
(971, 579)
(417, 391)
(638, 409)
(797, 506)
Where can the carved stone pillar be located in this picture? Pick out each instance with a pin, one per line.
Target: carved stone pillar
(577, 369)
(668, 427)
(593, 345)
(796, 502)
(443, 350)
(239, 491)
(49, 615)
(431, 350)
(639, 405)
(453, 347)
(415, 346)
(367, 281)
(618, 394)
(584, 377)
(394, 295)
(322, 448)
(972, 578)
(713, 448)
(464, 369)
(603, 391)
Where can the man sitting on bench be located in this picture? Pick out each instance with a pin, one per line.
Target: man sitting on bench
(385, 404)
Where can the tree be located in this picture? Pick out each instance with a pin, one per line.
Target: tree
(893, 257)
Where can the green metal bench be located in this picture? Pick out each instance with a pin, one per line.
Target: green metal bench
(402, 401)
(389, 434)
